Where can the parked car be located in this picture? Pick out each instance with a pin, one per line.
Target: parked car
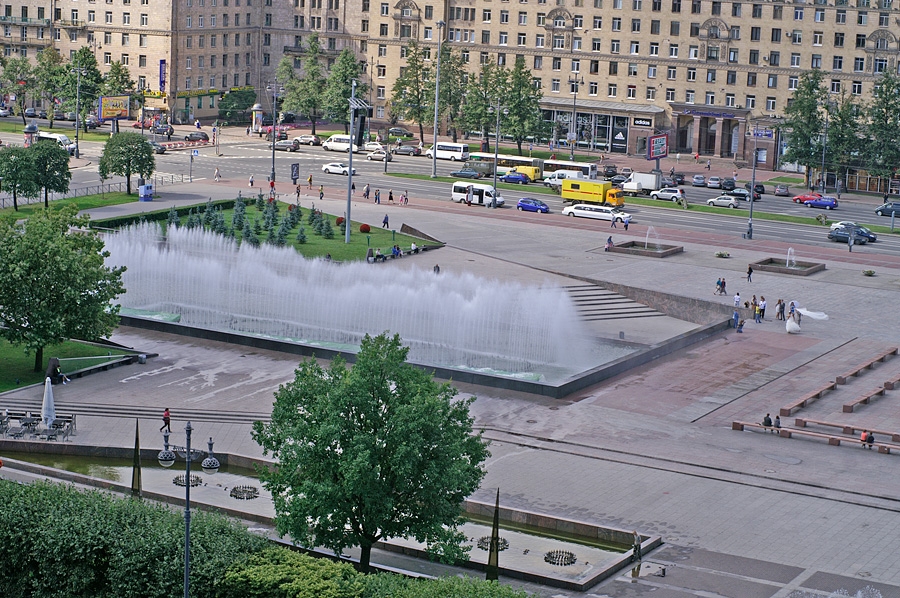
(804, 197)
(280, 135)
(398, 132)
(71, 116)
(610, 170)
(888, 209)
(515, 177)
(597, 212)
(337, 168)
(196, 136)
(42, 113)
(714, 182)
(5, 112)
(407, 150)
(528, 204)
(466, 173)
(142, 125)
(267, 120)
(308, 140)
(759, 188)
(668, 193)
(379, 155)
(627, 170)
(286, 117)
(59, 115)
(782, 190)
(372, 146)
(698, 181)
(30, 113)
(286, 145)
(842, 235)
(164, 130)
(668, 182)
(157, 148)
(723, 201)
(90, 122)
(729, 185)
(678, 177)
(824, 202)
(742, 194)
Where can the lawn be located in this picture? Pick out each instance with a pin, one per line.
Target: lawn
(85, 202)
(13, 127)
(16, 364)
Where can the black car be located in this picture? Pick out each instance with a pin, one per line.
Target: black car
(157, 148)
(407, 150)
(728, 185)
(267, 121)
(618, 179)
(279, 135)
(398, 132)
(888, 209)
(42, 113)
(842, 235)
(610, 170)
(759, 188)
(196, 136)
(466, 173)
(287, 117)
(164, 130)
(678, 177)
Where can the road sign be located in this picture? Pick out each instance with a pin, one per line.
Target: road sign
(295, 171)
(195, 152)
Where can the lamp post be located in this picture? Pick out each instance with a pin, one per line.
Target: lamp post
(273, 87)
(143, 99)
(209, 465)
(437, 96)
(78, 73)
(749, 234)
(827, 106)
(574, 82)
(495, 110)
(356, 105)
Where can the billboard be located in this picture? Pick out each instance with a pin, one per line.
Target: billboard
(113, 107)
(657, 147)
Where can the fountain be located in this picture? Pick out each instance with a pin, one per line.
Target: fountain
(459, 323)
(647, 250)
(789, 265)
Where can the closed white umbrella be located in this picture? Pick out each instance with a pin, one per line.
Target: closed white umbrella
(48, 406)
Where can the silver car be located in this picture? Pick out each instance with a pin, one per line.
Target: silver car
(723, 201)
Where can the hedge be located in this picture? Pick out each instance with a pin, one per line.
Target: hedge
(162, 215)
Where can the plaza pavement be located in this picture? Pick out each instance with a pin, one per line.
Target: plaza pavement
(741, 514)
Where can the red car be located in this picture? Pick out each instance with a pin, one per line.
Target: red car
(146, 124)
(806, 197)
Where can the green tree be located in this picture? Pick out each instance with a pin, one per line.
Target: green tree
(117, 81)
(413, 93)
(522, 99)
(54, 285)
(483, 92)
(18, 79)
(49, 71)
(883, 115)
(335, 101)
(236, 104)
(845, 142)
(18, 173)
(306, 94)
(454, 83)
(377, 451)
(804, 122)
(126, 154)
(51, 167)
(89, 88)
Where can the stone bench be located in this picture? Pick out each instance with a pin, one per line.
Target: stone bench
(865, 366)
(790, 408)
(863, 399)
(830, 438)
(892, 384)
(802, 422)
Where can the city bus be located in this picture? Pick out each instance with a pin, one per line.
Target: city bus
(449, 151)
(484, 162)
(587, 169)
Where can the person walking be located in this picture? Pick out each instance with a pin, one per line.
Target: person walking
(386, 222)
(626, 221)
(366, 192)
(309, 182)
(391, 196)
(406, 197)
(321, 192)
(436, 269)
(749, 273)
(248, 130)
(697, 158)
(251, 180)
(167, 421)
(298, 190)
(724, 292)
(217, 176)
(708, 164)
(613, 222)
(378, 196)
(718, 287)
(352, 188)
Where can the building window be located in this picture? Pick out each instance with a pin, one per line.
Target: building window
(880, 65)
(798, 13)
(837, 63)
(710, 98)
(379, 92)
(710, 76)
(673, 50)
(750, 102)
(538, 63)
(385, 9)
(613, 68)
(554, 85)
(654, 49)
(731, 77)
(840, 17)
(614, 46)
(612, 90)
(671, 73)
(635, 25)
(635, 47)
(816, 61)
(862, 18)
(670, 94)
(751, 79)
(689, 96)
(593, 88)
(632, 69)
(383, 30)
(729, 100)
(856, 88)
(675, 28)
(651, 71)
(793, 82)
(774, 58)
(692, 74)
(838, 40)
(772, 81)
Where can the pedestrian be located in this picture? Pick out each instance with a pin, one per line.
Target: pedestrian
(613, 223)
(385, 223)
(436, 269)
(718, 287)
(885, 197)
(749, 273)
(697, 158)
(626, 221)
(850, 240)
(756, 313)
(553, 157)
(377, 195)
(724, 292)
(708, 164)
(309, 182)
(737, 299)
(870, 440)
(406, 197)
(391, 196)
(299, 188)
(321, 192)
(734, 318)
(166, 421)
(678, 158)
(352, 188)
(672, 171)
(248, 130)
(609, 244)
(863, 437)
(217, 176)
(470, 193)
(59, 374)
(251, 180)
(366, 192)
(762, 307)
(779, 310)
(636, 548)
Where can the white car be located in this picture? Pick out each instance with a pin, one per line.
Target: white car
(842, 224)
(337, 168)
(714, 182)
(5, 112)
(373, 146)
(723, 201)
(583, 210)
(626, 171)
(379, 155)
(668, 193)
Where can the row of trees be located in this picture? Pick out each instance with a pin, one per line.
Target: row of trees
(860, 134)
(25, 171)
(52, 79)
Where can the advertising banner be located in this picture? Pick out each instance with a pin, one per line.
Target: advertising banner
(113, 107)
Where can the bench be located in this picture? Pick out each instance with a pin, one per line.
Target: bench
(830, 438)
(863, 399)
(790, 408)
(892, 384)
(852, 430)
(865, 366)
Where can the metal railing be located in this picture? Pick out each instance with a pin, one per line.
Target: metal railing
(118, 187)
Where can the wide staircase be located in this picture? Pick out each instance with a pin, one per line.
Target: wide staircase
(595, 303)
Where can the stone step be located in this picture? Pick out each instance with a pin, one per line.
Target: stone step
(595, 303)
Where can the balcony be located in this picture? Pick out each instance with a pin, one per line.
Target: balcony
(69, 24)
(25, 21)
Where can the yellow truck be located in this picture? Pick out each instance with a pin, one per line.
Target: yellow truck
(586, 191)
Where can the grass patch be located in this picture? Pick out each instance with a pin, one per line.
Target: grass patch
(15, 127)
(15, 363)
(788, 180)
(86, 202)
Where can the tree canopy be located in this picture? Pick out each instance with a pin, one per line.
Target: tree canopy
(51, 168)
(306, 94)
(413, 93)
(127, 154)
(805, 122)
(883, 117)
(54, 284)
(337, 91)
(18, 173)
(377, 451)
(49, 72)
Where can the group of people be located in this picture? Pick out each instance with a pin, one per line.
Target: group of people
(720, 286)
(867, 439)
(768, 423)
(396, 252)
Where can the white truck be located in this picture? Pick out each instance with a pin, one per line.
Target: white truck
(555, 179)
(640, 183)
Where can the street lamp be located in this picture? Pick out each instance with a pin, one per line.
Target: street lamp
(273, 87)
(209, 465)
(827, 105)
(356, 105)
(78, 73)
(496, 110)
(574, 82)
(437, 95)
(143, 100)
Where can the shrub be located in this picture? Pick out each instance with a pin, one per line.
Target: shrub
(339, 220)
(279, 572)
(868, 272)
(365, 228)
(723, 254)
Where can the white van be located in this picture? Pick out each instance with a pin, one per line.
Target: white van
(62, 140)
(339, 143)
(555, 179)
(449, 151)
(482, 195)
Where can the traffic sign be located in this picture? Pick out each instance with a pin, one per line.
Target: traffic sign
(195, 152)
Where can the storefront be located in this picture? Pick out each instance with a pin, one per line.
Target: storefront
(604, 127)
